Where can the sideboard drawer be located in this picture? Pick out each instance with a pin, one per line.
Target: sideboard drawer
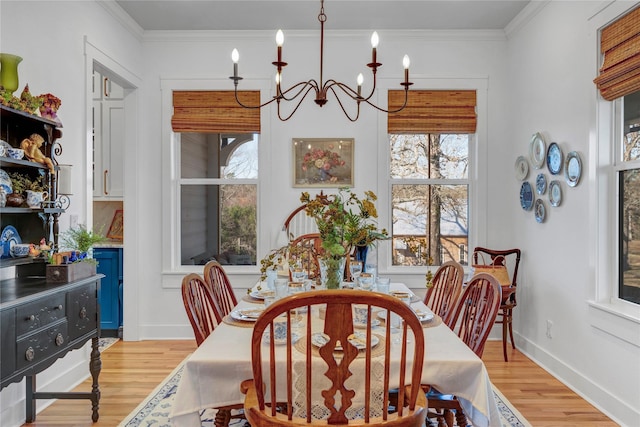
(34, 348)
(40, 313)
(82, 310)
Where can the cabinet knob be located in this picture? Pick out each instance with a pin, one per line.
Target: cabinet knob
(29, 354)
(83, 313)
(31, 318)
(59, 340)
(59, 307)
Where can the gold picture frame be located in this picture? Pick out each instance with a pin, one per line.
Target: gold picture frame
(323, 162)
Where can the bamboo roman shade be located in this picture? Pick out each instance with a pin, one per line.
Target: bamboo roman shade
(620, 44)
(215, 112)
(433, 111)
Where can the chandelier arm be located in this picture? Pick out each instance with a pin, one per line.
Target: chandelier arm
(311, 84)
(251, 106)
(297, 105)
(353, 119)
(404, 104)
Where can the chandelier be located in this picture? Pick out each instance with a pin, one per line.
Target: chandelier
(299, 91)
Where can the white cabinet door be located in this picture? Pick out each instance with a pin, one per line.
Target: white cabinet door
(108, 171)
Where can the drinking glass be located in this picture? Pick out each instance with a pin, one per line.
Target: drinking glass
(365, 281)
(383, 285)
(372, 269)
(282, 288)
(298, 274)
(396, 321)
(355, 268)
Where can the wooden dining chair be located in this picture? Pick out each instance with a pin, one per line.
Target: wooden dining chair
(204, 316)
(304, 251)
(474, 316)
(443, 295)
(216, 279)
(201, 310)
(505, 316)
(320, 373)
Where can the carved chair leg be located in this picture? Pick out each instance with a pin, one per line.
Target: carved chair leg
(461, 419)
(222, 418)
(505, 325)
(513, 343)
(448, 417)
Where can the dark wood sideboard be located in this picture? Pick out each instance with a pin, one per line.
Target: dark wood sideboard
(42, 322)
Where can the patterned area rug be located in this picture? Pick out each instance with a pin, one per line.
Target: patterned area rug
(155, 409)
(105, 343)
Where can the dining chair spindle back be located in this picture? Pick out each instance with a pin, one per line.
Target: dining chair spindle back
(201, 310)
(474, 316)
(445, 289)
(216, 279)
(328, 375)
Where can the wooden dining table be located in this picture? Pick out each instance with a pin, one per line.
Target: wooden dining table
(212, 375)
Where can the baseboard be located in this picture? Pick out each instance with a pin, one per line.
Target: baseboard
(583, 386)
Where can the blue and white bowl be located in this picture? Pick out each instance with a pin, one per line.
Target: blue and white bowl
(16, 153)
(20, 250)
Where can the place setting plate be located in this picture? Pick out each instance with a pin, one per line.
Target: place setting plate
(246, 314)
(358, 340)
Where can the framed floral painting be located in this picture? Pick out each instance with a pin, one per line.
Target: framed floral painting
(323, 162)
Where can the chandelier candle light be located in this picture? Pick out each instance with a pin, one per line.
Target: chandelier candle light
(322, 87)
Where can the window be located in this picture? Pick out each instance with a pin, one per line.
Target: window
(619, 81)
(216, 184)
(429, 193)
(429, 175)
(218, 198)
(628, 175)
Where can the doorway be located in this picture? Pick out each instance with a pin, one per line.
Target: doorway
(111, 93)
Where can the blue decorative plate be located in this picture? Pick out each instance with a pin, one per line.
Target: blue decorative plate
(526, 196)
(5, 182)
(573, 169)
(540, 211)
(541, 183)
(8, 238)
(554, 158)
(555, 193)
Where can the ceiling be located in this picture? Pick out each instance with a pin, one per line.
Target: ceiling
(183, 15)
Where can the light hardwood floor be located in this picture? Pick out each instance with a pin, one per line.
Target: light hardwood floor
(131, 370)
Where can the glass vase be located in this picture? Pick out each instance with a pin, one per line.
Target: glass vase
(331, 271)
(9, 71)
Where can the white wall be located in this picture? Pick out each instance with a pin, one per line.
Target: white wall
(49, 36)
(552, 64)
(540, 79)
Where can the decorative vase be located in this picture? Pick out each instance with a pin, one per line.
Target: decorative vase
(35, 198)
(361, 255)
(9, 71)
(331, 271)
(15, 200)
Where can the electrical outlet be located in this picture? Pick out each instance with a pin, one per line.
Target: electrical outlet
(549, 328)
(73, 221)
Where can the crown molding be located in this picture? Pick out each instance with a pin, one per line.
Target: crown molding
(526, 15)
(423, 35)
(122, 17)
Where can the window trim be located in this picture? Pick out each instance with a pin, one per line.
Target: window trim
(172, 270)
(616, 317)
(478, 170)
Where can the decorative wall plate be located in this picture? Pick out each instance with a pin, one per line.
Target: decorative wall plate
(522, 168)
(573, 169)
(5, 182)
(555, 193)
(540, 211)
(541, 183)
(554, 158)
(537, 150)
(526, 196)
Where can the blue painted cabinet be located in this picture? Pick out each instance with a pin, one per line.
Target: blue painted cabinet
(110, 298)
